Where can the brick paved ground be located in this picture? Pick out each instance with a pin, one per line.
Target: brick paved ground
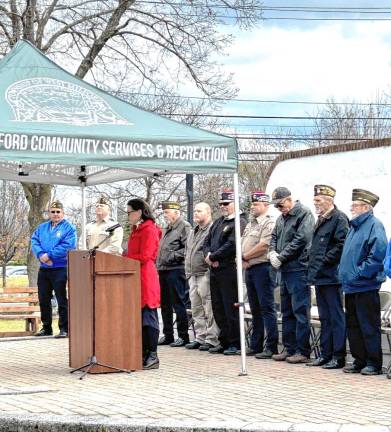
(35, 380)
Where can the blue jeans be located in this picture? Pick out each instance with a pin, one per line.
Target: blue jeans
(49, 280)
(260, 293)
(295, 309)
(332, 319)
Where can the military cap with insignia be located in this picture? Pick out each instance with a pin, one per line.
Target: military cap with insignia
(259, 196)
(103, 200)
(226, 195)
(365, 196)
(173, 205)
(324, 190)
(57, 205)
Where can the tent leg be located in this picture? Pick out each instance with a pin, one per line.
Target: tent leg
(83, 217)
(238, 242)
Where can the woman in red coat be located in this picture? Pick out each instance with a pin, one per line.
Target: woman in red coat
(143, 245)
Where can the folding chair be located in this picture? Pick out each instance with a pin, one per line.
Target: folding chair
(385, 313)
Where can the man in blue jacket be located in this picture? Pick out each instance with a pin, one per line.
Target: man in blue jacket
(361, 274)
(50, 243)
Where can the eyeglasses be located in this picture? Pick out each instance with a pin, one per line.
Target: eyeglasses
(130, 212)
(55, 211)
(225, 204)
(280, 205)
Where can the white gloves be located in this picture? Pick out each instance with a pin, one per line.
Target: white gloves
(274, 260)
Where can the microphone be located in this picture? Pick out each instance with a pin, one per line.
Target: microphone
(112, 228)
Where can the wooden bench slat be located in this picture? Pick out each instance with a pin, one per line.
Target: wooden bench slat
(20, 290)
(19, 316)
(28, 299)
(16, 333)
(17, 309)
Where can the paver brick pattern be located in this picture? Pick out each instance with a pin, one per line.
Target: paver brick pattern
(189, 385)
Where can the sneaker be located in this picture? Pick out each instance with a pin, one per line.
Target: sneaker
(205, 347)
(297, 358)
(249, 352)
(230, 351)
(266, 354)
(282, 356)
(352, 369)
(62, 334)
(165, 340)
(371, 370)
(44, 332)
(216, 350)
(193, 345)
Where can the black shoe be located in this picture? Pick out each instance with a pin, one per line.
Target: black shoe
(216, 350)
(165, 341)
(249, 352)
(320, 361)
(151, 361)
(205, 347)
(231, 351)
(352, 369)
(334, 364)
(62, 334)
(266, 354)
(193, 345)
(371, 370)
(44, 332)
(178, 343)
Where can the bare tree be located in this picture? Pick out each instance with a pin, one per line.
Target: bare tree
(153, 42)
(13, 224)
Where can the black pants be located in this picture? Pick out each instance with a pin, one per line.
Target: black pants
(224, 294)
(364, 328)
(49, 280)
(150, 330)
(174, 293)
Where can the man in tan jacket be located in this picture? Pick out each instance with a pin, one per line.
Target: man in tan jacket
(255, 245)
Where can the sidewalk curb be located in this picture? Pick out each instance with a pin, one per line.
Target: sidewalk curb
(49, 423)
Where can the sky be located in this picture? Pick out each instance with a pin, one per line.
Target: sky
(293, 60)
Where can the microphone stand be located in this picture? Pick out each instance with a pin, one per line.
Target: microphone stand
(93, 361)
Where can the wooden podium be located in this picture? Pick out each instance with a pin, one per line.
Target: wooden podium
(117, 328)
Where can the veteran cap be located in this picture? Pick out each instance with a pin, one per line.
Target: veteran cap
(365, 196)
(103, 200)
(324, 190)
(226, 195)
(258, 196)
(170, 205)
(57, 205)
(279, 194)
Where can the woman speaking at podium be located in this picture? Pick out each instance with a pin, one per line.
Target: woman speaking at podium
(143, 245)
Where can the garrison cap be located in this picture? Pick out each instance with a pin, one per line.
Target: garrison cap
(103, 200)
(259, 196)
(171, 205)
(57, 205)
(324, 190)
(226, 195)
(365, 196)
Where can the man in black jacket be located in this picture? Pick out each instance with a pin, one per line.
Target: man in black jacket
(326, 249)
(220, 254)
(174, 290)
(288, 252)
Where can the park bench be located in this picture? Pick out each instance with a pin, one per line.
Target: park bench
(20, 304)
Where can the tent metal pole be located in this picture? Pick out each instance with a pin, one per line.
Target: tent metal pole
(83, 216)
(239, 277)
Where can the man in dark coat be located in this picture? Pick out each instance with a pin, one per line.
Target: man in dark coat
(361, 273)
(326, 249)
(220, 255)
(288, 252)
(174, 290)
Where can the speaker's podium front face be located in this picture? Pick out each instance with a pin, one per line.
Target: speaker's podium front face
(117, 325)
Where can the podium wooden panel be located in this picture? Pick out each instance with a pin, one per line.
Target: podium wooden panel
(117, 311)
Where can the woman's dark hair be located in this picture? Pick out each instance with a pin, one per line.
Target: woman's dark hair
(139, 204)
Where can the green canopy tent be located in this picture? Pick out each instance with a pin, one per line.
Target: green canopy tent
(55, 128)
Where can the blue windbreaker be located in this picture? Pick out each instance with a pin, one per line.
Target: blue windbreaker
(56, 242)
(361, 265)
(387, 261)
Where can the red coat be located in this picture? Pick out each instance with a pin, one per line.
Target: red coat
(143, 245)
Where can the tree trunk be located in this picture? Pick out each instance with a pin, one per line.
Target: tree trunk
(38, 197)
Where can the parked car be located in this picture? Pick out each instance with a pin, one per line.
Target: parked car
(16, 271)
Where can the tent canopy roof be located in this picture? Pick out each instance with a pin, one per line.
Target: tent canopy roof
(56, 128)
